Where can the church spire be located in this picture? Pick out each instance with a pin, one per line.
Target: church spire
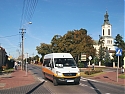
(106, 20)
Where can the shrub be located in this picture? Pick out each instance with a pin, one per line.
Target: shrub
(90, 72)
(4, 67)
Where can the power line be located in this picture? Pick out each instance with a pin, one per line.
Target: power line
(10, 36)
(27, 13)
(28, 10)
(22, 17)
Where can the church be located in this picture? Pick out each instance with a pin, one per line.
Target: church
(108, 40)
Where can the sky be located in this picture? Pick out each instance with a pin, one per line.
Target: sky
(56, 17)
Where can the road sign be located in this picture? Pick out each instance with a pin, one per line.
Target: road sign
(90, 57)
(118, 52)
(83, 57)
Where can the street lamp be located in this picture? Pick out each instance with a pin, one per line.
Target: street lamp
(22, 33)
(24, 25)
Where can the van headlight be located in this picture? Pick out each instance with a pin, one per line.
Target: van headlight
(78, 73)
(58, 73)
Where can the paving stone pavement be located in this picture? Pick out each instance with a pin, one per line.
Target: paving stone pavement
(109, 77)
(16, 79)
(18, 82)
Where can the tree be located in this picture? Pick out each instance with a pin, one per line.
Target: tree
(74, 42)
(119, 43)
(101, 48)
(36, 57)
(44, 49)
(107, 57)
(56, 40)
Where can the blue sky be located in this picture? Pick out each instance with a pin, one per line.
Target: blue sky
(53, 17)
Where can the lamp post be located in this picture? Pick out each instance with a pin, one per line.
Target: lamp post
(26, 63)
(22, 34)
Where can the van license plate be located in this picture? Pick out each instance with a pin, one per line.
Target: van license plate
(70, 80)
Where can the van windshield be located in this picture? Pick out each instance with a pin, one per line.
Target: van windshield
(64, 62)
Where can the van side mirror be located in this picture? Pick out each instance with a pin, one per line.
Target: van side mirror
(50, 65)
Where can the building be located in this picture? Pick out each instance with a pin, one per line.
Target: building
(108, 40)
(2, 56)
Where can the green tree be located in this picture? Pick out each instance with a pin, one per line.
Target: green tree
(101, 49)
(36, 58)
(107, 57)
(74, 42)
(44, 49)
(55, 42)
(119, 43)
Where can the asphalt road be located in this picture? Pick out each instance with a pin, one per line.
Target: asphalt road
(86, 86)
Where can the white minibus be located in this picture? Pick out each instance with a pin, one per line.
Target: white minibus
(60, 68)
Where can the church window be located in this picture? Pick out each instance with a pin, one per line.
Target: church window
(103, 31)
(108, 31)
(111, 41)
(108, 41)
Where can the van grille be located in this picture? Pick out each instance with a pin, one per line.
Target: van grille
(69, 74)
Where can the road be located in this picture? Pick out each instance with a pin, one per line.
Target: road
(86, 86)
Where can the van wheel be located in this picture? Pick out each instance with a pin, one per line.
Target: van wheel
(44, 76)
(54, 82)
(77, 83)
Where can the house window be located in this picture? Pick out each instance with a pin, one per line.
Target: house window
(108, 31)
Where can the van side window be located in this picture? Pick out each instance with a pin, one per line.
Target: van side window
(46, 62)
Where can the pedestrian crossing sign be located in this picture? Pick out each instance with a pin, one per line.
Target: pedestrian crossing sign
(118, 52)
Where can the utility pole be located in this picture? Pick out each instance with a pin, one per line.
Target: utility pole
(22, 33)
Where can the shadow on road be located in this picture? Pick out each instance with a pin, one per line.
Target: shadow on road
(96, 89)
(31, 91)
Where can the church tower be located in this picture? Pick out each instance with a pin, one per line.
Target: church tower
(107, 33)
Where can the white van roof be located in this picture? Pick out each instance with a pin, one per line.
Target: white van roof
(58, 55)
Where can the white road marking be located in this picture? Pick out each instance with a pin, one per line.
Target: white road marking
(85, 79)
(40, 79)
(82, 84)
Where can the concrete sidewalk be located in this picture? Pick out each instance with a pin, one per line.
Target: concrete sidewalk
(16, 79)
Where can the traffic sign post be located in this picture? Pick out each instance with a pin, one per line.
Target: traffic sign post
(124, 62)
(118, 53)
(90, 59)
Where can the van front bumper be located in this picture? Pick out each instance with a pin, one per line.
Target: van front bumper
(68, 80)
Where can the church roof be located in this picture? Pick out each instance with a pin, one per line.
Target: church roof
(106, 20)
